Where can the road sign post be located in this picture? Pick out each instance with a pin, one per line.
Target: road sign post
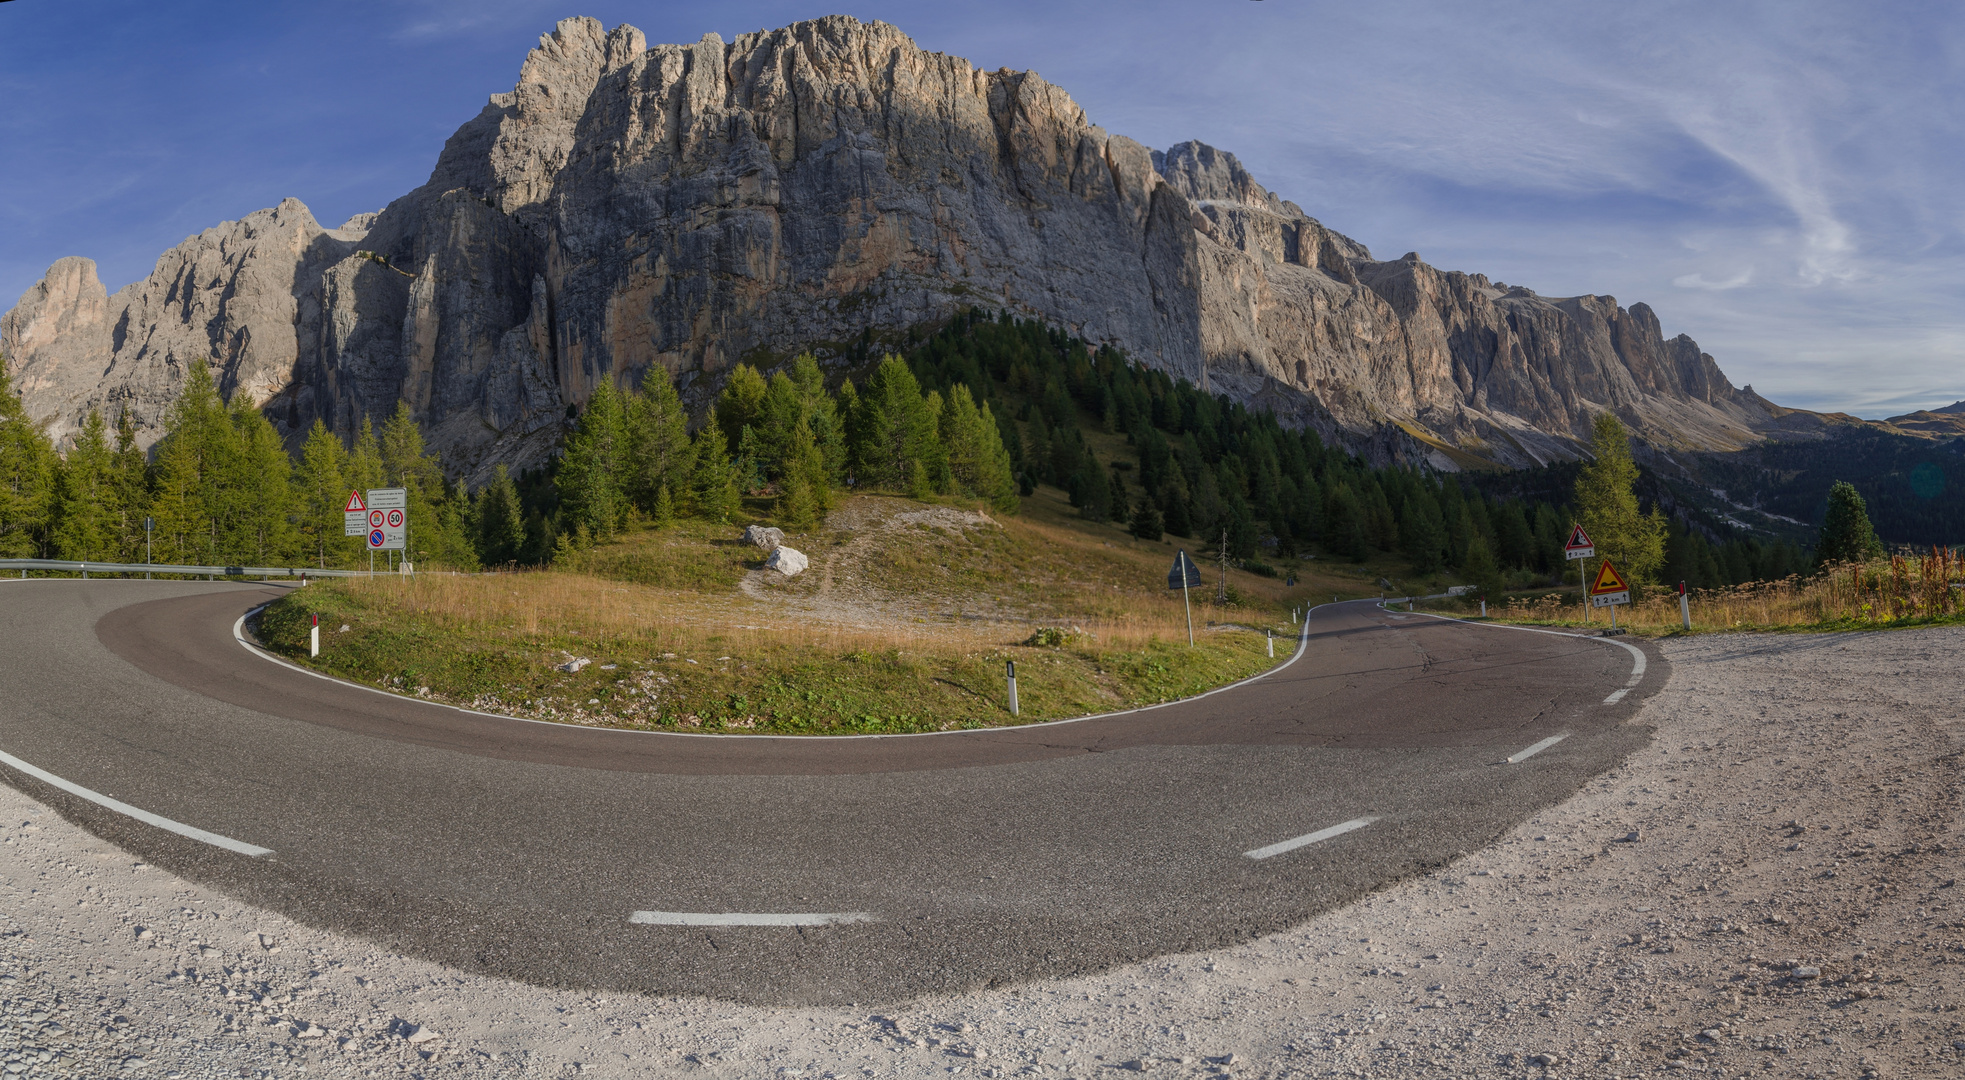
(1610, 590)
(1185, 575)
(149, 526)
(1580, 546)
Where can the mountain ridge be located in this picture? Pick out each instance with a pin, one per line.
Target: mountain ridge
(685, 207)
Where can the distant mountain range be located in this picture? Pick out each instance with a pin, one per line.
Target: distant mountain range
(690, 207)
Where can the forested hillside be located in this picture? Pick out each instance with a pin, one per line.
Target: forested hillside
(981, 409)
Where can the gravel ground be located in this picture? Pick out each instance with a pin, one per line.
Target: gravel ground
(1768, 889)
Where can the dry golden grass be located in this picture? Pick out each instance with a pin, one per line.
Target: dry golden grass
(1894, 591)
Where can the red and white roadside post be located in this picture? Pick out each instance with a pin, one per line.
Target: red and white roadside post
(314, 636)
(1684, 606)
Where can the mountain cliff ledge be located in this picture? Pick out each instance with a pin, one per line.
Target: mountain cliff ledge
(690, 207)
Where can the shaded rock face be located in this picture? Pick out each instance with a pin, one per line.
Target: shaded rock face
(688, 207)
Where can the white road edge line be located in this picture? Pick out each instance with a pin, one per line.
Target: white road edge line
(1302, 645)
(1319, 836)
(1539, 747)
(732, 918)
(1637, 654)
(144, 816)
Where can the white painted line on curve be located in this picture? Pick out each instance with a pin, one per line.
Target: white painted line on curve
(1637, 654)
(1539, 747)
(144, 816)
(735, 918)
(1302, 646)
(1616, 696)
(1312, 838)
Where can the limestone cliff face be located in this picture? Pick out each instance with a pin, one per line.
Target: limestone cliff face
(686, 207)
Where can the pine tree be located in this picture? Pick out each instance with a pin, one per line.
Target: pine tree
(977, 461)
(1422, 534)
(894, 430)
(1122, 507)
(87, 514)
(715, 481)
(199, 450)
(130, 474)
(1146, 521)
(659, 452)
(1606, 499)
(807, 491)
(27, 478)
(1846, 534)
(321, 487)
(662, 515)
(500, 521)
(261, 483)
(593, 465)
(741, 403)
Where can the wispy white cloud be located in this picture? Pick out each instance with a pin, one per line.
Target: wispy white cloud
(1700, 281)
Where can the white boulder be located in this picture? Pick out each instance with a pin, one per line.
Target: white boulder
(787, 561)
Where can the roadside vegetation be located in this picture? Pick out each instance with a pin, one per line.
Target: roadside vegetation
(904, 623)
(985, 490)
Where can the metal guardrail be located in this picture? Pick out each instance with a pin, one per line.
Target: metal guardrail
(146, 569)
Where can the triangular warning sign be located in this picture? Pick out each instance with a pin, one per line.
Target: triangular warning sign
(1578, 539)
(355, 503)
(1609, 580)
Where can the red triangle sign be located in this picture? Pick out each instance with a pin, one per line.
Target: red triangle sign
(355, 503)
(1609, 581)
(1578, 539)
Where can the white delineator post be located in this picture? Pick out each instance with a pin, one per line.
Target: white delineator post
(1270, 636)
(1483, 607)
(314, 636)
(1010, 673)
(1684, 606)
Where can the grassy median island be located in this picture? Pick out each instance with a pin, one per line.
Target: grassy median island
(903, 623)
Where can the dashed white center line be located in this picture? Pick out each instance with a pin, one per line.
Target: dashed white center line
(735, 918)
(1311, 838)
(1539, 747)
(144, 816)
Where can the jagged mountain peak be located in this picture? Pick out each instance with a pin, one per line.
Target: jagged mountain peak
(628, 209)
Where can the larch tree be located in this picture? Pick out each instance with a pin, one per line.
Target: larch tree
(1607, 504)
(27, 478)
(87, 515)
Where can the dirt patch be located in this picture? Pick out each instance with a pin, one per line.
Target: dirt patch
(1770, 888)
(844, 586)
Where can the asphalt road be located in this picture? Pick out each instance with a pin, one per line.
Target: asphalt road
(973, 858)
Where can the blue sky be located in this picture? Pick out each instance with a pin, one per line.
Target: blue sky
(1782, 181)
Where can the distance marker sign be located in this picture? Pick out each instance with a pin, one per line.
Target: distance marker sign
(1610, 587)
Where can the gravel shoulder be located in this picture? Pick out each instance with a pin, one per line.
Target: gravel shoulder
(1769, 887)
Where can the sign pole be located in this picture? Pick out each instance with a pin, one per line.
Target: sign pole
(1190, 612)
(1583, 585)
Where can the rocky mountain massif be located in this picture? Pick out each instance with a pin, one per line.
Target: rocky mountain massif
(689, 207)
